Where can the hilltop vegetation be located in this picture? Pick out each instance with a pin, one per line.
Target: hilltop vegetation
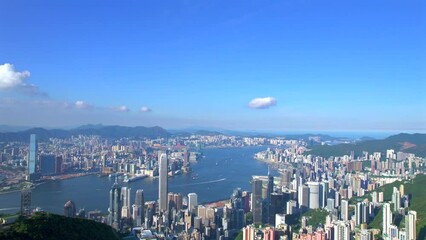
(418, 204)
(50, 226)
(410, 143)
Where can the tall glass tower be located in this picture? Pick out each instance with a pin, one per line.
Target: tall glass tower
(115, 204)
(256, 199)
(162, 188)
(140, 205)
(33, 154)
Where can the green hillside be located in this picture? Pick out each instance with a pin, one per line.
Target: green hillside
(50, 226)
(410, 143)
(418, 203)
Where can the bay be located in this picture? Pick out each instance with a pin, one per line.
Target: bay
(218, 174)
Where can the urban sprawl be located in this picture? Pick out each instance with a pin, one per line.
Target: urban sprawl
(334, 198)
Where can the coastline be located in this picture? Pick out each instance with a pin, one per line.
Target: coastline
(61, 177)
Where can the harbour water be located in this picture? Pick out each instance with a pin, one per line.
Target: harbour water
(213, 178)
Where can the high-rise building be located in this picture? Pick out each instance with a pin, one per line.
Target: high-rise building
(359, 212)
(291, 207)
(115, 205)
(344, 210)
(177, 198)
(32, 159)
(396, 199)
(303, 196)
(26, 202)
(139, 217)
(270, 186)
(342, 231)
(58, 164)
(256, 200)
(249, 233)
(393, 232)
(171, 201)
(366, 235)
(125, 197)
(410, 225)
(286, 178)
(192, 201)
(324, 186)
(162, 182)
(401, 190)
(314, 195)
(387, 219)
(330, 204)
(47, 164)
(69, 209)
(201, 213)
(277, 206)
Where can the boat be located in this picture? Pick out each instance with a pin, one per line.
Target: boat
(115, 175)
(134, 178)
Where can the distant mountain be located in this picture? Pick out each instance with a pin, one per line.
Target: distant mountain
(207, 133)
(366, 138)
(7, 128)
(411, 143)
(90, 126)
(42, 134)
(103, 131)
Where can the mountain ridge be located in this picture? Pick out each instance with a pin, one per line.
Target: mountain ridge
(407, 142)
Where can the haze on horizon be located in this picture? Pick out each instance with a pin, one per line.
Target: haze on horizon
(240, 65)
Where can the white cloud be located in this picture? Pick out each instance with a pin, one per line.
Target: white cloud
(262, 103)
(9, 78)
(122, 108)
(83, 105)
(145, 109)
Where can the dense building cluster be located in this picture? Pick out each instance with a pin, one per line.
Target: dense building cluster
(344, 190)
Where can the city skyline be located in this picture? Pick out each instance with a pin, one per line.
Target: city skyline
(287, 66)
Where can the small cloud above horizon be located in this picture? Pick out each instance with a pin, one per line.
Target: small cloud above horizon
(145, 109)
(83, 105)
(262, 103)
(122, 108)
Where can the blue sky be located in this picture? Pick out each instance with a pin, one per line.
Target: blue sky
(246, 65)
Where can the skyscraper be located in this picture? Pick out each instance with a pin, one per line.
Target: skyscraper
(270, 186)
(314, 195)
(47, 164)
(115, 203)
(162, 188)
(140, 205)
(58, 164)
(345, 210)
(410, 225)
(358, 213)
(125, 197)
(256, 200)
(303, 196)
(25, 202)
(32, 159)
(69, 209)
(324, 186)
(276, 206)
(396, 199)
(342, 230)
(192, 201)
(177, 198)
(387, 219)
